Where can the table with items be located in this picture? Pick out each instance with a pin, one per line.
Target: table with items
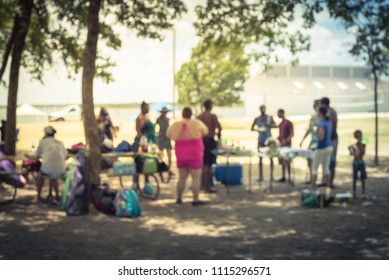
(286, 153)
(144, 164)
(228, 152)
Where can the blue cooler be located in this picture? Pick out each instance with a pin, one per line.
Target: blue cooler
(234, 176)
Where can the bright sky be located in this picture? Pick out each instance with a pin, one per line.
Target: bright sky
(144, 67)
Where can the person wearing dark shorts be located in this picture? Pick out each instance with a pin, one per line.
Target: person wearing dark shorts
(214, 129)
(358, 151)
(209, 145)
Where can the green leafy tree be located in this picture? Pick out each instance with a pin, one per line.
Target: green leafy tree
(264, 23)
(14, 48)
(368, 21)
(147, 19)
(75, 29)
(30, 36)
(216, 71)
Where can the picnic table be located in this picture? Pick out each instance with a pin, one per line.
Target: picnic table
(152, 179)
(286, 153)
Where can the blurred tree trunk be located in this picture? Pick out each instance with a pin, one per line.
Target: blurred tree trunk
(90, 124)
(17, 50)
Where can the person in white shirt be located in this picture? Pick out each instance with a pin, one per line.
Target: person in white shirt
(52, 154)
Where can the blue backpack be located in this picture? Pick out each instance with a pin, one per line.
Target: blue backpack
(127, 204)
(123, 147)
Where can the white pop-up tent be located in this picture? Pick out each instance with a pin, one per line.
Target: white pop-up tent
(29, 114)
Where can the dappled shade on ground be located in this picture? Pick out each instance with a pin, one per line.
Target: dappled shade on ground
(234, 226)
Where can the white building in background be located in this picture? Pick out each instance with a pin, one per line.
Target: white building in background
(294, 88)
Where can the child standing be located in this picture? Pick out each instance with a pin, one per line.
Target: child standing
(358, 151)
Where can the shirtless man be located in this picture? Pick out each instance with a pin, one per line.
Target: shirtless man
(214, 129)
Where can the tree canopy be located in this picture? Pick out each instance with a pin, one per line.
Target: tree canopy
(368, 21)
(265, 23)
(147, 19)
(216, 71)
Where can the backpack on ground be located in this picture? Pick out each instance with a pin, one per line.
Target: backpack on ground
(103, 198)
(127, 204)
(66, 187)
(75, 202)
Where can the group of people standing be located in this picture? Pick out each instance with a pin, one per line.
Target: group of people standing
(323, 128)
(263, 124)
(194, 144)
(197, 138)
(324, 140)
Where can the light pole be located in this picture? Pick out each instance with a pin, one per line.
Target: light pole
(174, 72)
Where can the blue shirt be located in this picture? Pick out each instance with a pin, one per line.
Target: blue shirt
(326, 142)
(266, 133)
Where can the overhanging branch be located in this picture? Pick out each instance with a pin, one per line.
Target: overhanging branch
(9, 46)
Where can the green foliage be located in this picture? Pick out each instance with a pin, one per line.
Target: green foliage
(262, 22)
(368, 20)
(58, 30)
(48, 37)
(215, 71)
(146, 18)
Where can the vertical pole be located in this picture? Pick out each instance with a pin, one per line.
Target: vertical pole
(250, 173)
(174, 72)
(376, 118)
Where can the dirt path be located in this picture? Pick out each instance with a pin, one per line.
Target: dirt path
(234, 226)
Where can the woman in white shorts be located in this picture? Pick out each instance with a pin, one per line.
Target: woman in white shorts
(322, 154)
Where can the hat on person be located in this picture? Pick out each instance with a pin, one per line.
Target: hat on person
(164, 110)
(49, 130)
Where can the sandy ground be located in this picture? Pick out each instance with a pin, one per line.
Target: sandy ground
(235, 226)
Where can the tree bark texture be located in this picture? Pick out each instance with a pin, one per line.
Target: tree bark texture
(17, 50)
(90, 124)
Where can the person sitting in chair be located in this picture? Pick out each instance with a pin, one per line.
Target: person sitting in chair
(52, 154)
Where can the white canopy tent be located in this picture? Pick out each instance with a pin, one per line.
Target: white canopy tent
(29, 114)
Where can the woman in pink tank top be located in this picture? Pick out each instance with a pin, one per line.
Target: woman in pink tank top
(188, 136)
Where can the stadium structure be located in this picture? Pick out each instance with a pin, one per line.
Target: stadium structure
(294, 88)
